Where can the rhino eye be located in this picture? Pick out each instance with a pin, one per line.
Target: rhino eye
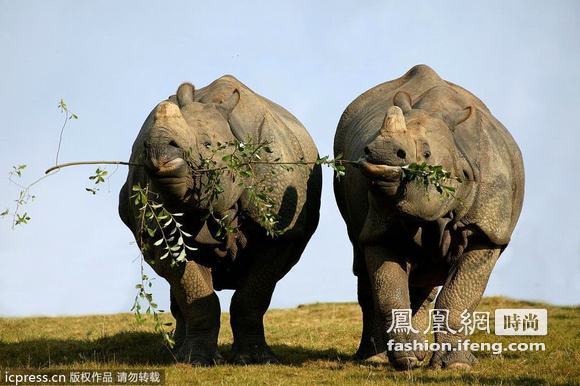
(207, 143)
(427, 154)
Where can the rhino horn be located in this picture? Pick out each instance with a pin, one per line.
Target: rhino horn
(168, 114)
(167, 111)
(185, 94)
(394, 121)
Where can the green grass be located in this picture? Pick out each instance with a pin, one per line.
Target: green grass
(315, 343)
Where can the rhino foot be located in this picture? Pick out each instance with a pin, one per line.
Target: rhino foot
(410, 359)
(376, 359)
(253, 354)
(457, 360)
(405, 361)
(197, 353)
(368, 351)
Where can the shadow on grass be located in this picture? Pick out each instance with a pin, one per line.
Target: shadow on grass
(478, 379)
(124, 347)
(146, 349)
(131, 348)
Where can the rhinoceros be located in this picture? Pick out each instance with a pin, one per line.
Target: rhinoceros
(181, 131)
(407, 239)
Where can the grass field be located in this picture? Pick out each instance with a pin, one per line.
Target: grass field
(315, 343)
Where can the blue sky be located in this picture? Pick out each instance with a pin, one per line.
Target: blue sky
(114, 61)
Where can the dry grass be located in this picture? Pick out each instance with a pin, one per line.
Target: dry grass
(315, 343)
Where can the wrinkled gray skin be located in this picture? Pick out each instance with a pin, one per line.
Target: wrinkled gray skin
(408, 242)
(248, 261)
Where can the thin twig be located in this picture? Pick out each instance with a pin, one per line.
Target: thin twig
(64, 165)
(26, 193)
(66, 118)
(296, 163)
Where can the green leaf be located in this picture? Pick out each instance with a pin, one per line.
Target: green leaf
(17, 170)
(22, 219)
(182, 256)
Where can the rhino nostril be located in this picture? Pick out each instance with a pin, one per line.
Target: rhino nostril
(367, 150)
(173, 143)
(401, 154)
(466, 174)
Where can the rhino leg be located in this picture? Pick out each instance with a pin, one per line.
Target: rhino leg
(179, 333)
(252, 299)
(421, 299)
(390, 284)
(198, 315)
(462, 291)
(371, 347)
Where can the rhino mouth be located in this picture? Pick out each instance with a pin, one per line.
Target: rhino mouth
(381, 172)
(384, 178)
(172, 176)
(176, 168)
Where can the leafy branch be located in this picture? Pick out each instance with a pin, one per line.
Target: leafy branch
(144, 295)
(25, 196)
(97, 178)
(155, 221)
(425, 174)
(245, 159)
(239, 160)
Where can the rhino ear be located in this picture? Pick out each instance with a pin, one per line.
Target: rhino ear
(456, 117)
(185, 94)
(403, 101)
(227, 106)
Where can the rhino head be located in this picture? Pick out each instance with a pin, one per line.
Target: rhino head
(410, 134)
(177, 135)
